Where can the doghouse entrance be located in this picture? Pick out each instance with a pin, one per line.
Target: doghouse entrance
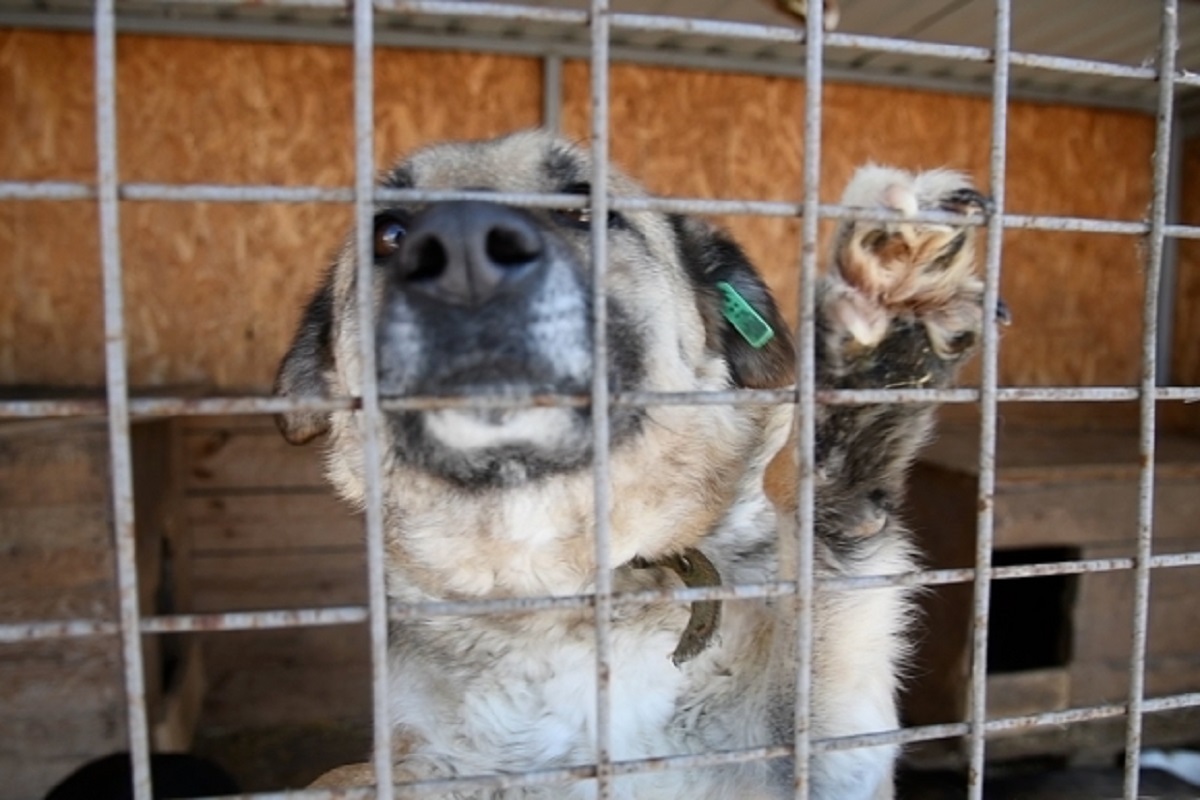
(1031, 617)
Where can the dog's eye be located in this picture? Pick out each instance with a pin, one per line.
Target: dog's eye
(389, 233)
(581, 218)
(575, 217)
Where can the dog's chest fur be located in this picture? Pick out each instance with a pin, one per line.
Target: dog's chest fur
(520, 689)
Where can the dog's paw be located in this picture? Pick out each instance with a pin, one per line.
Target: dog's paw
(924, 272)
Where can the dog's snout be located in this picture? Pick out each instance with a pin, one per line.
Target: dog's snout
(467, 253)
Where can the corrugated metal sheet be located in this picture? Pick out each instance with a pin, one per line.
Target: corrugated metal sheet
(1116, 31)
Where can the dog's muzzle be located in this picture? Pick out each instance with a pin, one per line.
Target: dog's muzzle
(486, 300)
(479, 299)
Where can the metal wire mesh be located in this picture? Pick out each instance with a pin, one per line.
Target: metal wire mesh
(119, 408)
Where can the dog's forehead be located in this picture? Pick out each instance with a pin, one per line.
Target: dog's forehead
(531, 161)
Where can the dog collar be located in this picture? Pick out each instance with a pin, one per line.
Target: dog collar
(696, 571)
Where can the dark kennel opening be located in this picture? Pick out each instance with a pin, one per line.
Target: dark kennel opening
(1031, 617)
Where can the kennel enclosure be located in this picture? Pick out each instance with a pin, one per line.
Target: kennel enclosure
(162, 222)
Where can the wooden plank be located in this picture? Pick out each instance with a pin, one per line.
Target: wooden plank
(1080, 512)
(53, 463)
(270, 678)
(223, 459)
(228, 523)
(62, 526)
(55, 536)
(57, 585)
(55, 517)
(1014, 694)
(279, 580)
(1104, 610)
(1031, 455)
(75, 674)
(62, 702)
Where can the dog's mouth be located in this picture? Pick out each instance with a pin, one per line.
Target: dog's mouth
(507, 420)
(499, 379)
(504, 417)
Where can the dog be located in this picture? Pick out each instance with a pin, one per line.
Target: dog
(480, 300)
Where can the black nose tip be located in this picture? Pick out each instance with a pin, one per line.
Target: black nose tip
(467, 253)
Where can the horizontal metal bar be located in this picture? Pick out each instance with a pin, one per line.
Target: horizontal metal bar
(255, 620)
(1181, 231)
(332, 5)
(725, 29)
(56, 629)
(46, 190)
(525, 605)
(1172, 702)
(349, 615)
(924, 733)
(1080, 66)
(1005, 724)
(1075, 224)
(967, 574)
(709, 759)
(226, 193)
(158, 407)
(42, 409)
(501, 11)
(233, 193)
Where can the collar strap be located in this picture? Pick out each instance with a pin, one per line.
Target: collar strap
(696, 571)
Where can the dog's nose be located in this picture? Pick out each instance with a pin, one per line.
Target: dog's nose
(467, 253)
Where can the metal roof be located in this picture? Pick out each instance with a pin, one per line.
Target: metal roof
(1120, 34)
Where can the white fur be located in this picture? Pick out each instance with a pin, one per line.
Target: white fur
(474, 430)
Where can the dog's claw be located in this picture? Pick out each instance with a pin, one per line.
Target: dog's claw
(964, 201)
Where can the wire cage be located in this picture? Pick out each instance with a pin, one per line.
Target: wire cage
(593, 28)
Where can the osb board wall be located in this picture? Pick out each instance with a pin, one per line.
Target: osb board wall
(213, 290)
(1185, 363)
(1075, 297)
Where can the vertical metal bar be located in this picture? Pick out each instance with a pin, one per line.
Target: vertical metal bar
(117, 388)
(1168, 44)
(552, 92)
(370, 416)
(1167, 287)
(600, 406)
(806, 410)
(987, 403)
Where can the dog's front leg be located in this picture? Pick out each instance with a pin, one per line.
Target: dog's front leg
(900, 308)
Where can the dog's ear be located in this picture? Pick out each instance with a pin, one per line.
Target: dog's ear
(306, 366)
(740, 315)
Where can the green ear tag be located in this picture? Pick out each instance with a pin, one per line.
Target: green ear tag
(742, 316)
